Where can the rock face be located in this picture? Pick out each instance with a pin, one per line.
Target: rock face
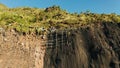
(93, 46)
(18, 51)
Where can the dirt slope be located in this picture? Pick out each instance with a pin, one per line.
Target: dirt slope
(18, 51)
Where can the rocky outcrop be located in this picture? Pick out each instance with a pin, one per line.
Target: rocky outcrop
(92, 46)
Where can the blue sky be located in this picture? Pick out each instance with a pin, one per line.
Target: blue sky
(96, 6)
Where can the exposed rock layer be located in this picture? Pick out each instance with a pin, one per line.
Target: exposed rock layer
(18, 51)
(93, 46)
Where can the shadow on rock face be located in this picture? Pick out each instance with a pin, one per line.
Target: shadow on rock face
(90, 47)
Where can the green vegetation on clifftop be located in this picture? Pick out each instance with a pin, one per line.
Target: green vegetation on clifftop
(31, 20)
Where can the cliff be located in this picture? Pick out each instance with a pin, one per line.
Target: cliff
(93, 46)
(20, 51)
(54, 38)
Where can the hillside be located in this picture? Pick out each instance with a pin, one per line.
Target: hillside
(30, 20)
(2, 6)
(55, 38)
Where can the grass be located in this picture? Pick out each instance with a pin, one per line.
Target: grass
(29, 20)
